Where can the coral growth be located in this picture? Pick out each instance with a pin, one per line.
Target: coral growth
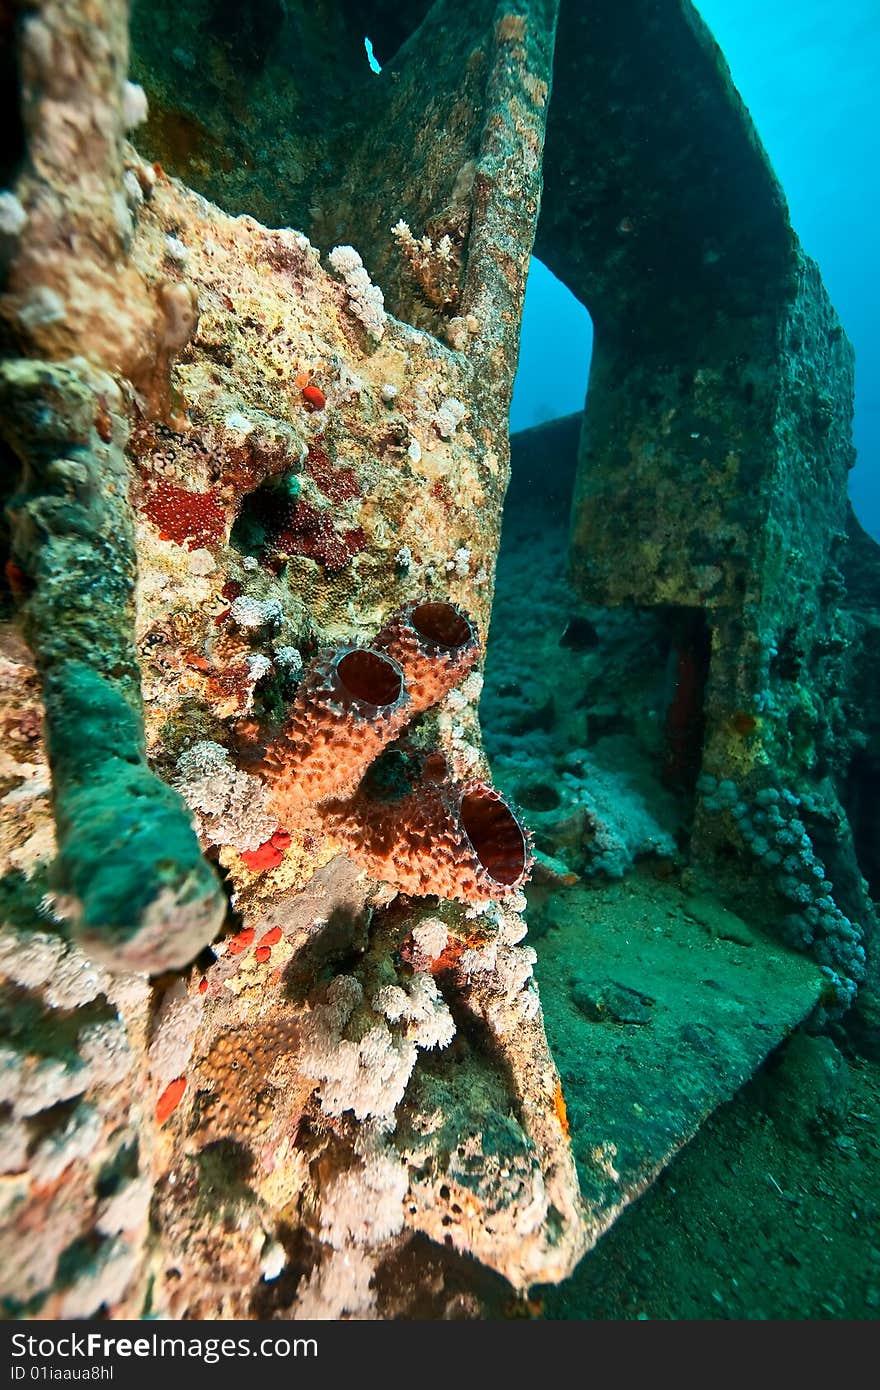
(226, 449)
(191, 518)
(365, 299)
(435, 644)
(294, 526)
(771, 827)
(367, 1071)
(232, 806)
(349, 705)
(458, 840)
(435, 266)
(415, 827)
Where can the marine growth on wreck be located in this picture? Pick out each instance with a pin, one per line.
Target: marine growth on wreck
(385, 900)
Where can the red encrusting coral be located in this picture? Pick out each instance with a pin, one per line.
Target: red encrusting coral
(304, 530)
(192, 518)
(339, 484)
(241, 941)
(267, 855)
(170, 1099)
(440, 492)
(314, 397)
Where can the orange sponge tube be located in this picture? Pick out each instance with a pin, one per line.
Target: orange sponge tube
(456, 840)
(435, 643)
(350, 704)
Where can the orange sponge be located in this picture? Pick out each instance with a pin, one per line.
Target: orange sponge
(435, 644)
(429, 836)
(455, 840)
(350, 704)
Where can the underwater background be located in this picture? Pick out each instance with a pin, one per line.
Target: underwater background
(808, 74)
(771, 1211)
(432, 888)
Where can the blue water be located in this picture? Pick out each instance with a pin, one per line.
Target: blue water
(809, 73)
(554, 353)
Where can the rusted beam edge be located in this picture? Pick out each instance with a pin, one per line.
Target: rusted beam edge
(507, 192)
(129, 872)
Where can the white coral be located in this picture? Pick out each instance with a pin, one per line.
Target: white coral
(175, 1031)
(364, 1205)
(48, 1082)
(460, 564)
(233, 805)
(127, 1209)
(44, 962)
(365, 299)
(14, 1141)
(421, 1006)
(135, 109)
(104, 1049)
(290, 658)
(78, 1140)
(258, 666)
(12, 215)
(103, 1284)
(430, 938)
(472, 687)
(253, 613)
(449, 416)
(368, 1074)
(341, 1285)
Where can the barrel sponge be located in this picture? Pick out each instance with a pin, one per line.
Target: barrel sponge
(456, 840)
(349, 705)
(435, 643)
(431, 836)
